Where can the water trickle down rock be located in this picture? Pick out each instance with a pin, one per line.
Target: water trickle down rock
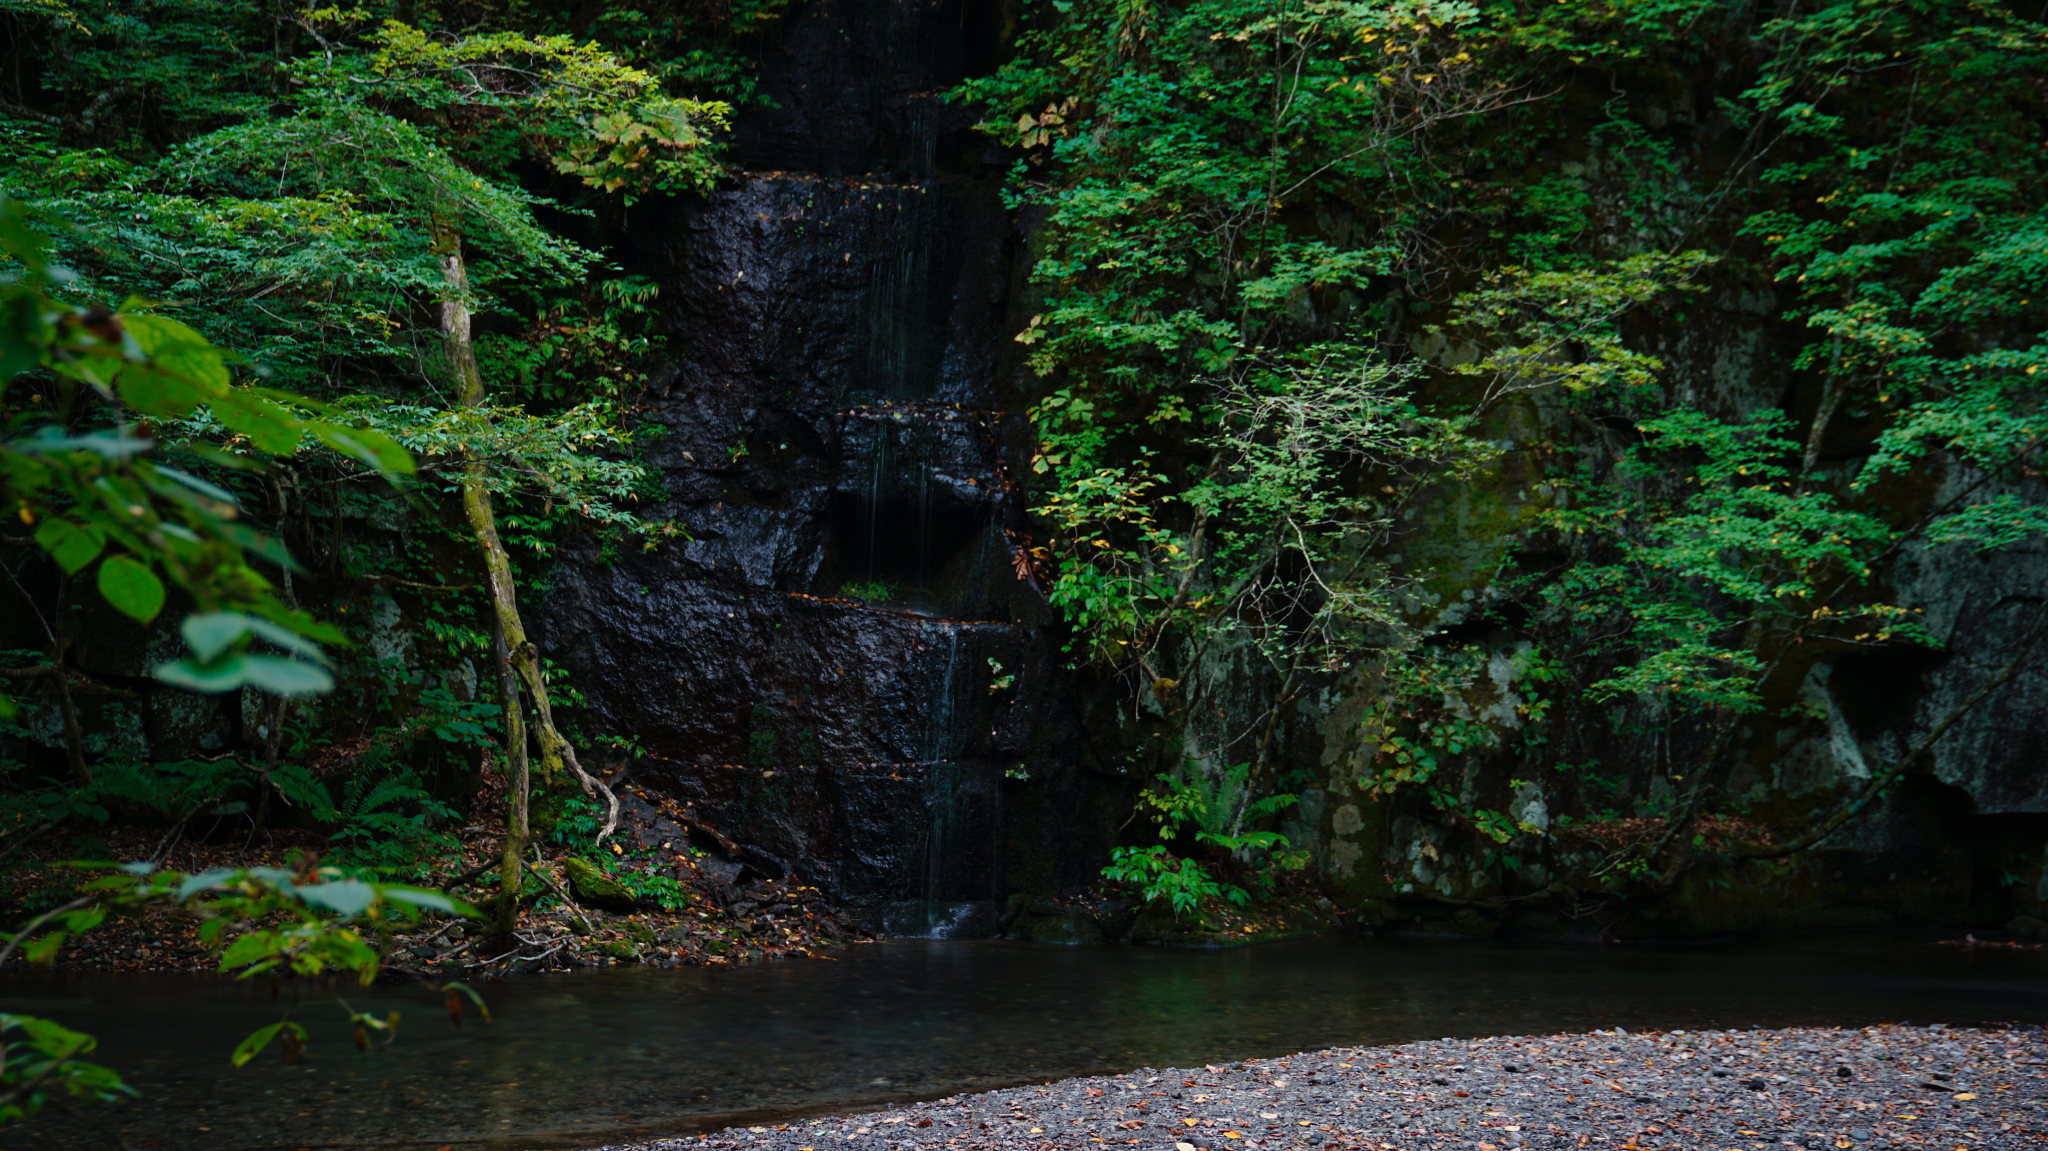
(817, 668)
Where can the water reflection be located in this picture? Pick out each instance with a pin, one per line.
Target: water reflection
(583, 1059)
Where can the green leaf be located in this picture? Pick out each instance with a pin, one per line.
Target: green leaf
(71, 546)
(368, 445)
(420, 897)
(345, 897)
(209, 634)
(110, 445)
(209, 677)
(130, 586)
(262, 545)
(253, 1046)
(179, 350)
(286, 639)
(44, 949)
(289, 677)
(209, 490)
(194, 884)
(23, 335)
(255, 947)
(157, 393)
(269, 425)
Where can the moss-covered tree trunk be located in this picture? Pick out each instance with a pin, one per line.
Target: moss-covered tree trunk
(520, 661)
(517, 789)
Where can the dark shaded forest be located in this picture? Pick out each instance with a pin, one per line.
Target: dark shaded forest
(1081, 470)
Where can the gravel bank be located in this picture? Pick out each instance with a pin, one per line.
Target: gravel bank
(1879, 1087)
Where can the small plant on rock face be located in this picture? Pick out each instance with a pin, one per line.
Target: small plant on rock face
(870, 590)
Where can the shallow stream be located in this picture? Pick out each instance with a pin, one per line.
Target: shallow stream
(583, 1059)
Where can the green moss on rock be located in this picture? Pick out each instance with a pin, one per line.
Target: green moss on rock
(593, 888)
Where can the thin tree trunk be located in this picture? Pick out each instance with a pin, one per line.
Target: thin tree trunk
(74, 736)
(522, 656)
(516, 791)
(60, 642)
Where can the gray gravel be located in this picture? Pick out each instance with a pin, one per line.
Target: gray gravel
(1932, 1087)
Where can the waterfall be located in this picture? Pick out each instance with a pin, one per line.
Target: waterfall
(904, 309)
(961, 852)
(841, 310)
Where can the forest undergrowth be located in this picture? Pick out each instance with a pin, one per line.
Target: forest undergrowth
(689, 912)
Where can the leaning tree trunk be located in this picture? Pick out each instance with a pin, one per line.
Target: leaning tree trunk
(518, 653)
(517, 786)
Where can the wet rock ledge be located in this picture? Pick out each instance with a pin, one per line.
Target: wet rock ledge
(1889, 1086)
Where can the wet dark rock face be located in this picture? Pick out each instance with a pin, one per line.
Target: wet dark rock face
(842, 668)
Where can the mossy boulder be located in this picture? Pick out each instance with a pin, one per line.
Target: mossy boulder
(1114, 917)
(593, 888)
(1157, 923)
(1041, 920)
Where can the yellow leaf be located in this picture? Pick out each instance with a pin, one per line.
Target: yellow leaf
(1966, 1095)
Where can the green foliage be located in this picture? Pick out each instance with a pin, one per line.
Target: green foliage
(1422, 725)
(1157, 874)
(1915, 239)
(255, 920)
(1216, 814)
(44, 1059)
(387, 823)
(100, 494)
(312, 224)
(639, 872)
(1545, 329)
(1225, 435)
(1247, 206)
(870, 590)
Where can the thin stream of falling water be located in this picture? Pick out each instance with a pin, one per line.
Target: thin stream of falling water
(881, 471)
(939, 741)
(924, 134)
(950, 818)
(923, 521)
(898, 302)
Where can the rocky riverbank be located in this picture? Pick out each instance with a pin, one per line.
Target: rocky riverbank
(1892, 1086)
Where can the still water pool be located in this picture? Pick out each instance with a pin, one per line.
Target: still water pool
(582, 1059)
